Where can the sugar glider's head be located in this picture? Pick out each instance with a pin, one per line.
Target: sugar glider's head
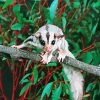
(48, 40)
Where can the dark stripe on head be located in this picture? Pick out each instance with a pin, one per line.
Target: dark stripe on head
(40, 37)
(47, 27)
(42, 42)
(28, 40)
(59, 36)
(47, 35)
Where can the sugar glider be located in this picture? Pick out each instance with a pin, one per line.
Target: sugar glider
(50, 38)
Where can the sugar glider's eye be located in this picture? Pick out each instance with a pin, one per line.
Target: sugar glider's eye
(42, 42)
(53, 42)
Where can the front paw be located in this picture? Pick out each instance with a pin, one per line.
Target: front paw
(44, 58)
(61, 58)
(61, 55)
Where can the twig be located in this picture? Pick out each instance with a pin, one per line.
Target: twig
(16, 53)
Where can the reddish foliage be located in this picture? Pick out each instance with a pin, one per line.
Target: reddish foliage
(16, 32)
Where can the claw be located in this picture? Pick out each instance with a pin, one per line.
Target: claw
(14, 46)
(43, 58)
(62, 55)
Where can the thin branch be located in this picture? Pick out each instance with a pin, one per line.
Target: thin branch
(16, 53)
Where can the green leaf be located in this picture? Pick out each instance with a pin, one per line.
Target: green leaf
(47, 14)
(97, 44)
(96, 56)
(76, 4)
(29, 62)
(25, 81)
(94, 95)
(64, 23)
(2, 0)
(41, 76)
(24, 78)
(16, 9)
(90, 87)
(57, 93)
(3, 18)
(95, 27)
(52, 64)
(64, 75)
(35, 74)
(47, 90)
(87, 57)
(25, 88)
(85, 2)
(55, 76)
(13, 41)
(68, 2)
(20, 36)
(96, 4)
(76, 47)
(67, 90)
(0, 39)
(7, 3)
(53, 8)
(17, 26)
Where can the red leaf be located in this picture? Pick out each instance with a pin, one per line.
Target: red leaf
(16, 32)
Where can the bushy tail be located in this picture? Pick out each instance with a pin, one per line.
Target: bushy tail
(76, 81)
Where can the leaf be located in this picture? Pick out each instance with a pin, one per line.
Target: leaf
(29, 62)
(95, 27)
(96, 4)
(2, 0)
(52, 64)
(0, 39)
(76, 47)
(22, 80)
(53, 8)
(87, 57)
(17, 26)
(54, 76)
(16, 9)
(67, 90)
(47, 90)
(97, 44)
(85, 2)
(94, 95)
(76, 4)
(13, 41)
(41, 76)
(20, 36)
(96, 56)
(64, 23)
(7, 3)
(90, 87)
(35, 74)
(57, 93)
(3, 18)
(64, 75)
(68, 2)
(25, 88)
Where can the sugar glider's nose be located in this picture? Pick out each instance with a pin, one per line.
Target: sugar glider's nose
(48, 48)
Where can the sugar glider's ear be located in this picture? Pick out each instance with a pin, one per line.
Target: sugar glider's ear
(37, 34)
(58, 36)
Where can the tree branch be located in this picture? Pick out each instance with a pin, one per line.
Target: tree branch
(16, 53)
